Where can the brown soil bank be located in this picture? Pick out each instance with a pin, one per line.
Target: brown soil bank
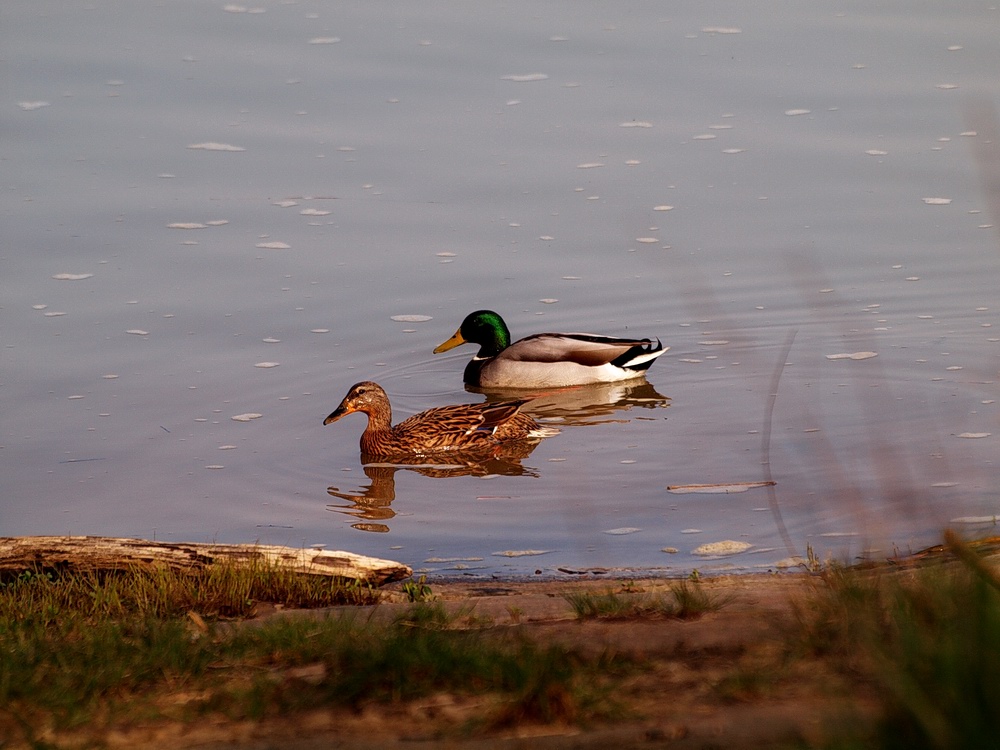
(721, 680)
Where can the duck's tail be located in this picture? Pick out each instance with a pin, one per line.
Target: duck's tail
(640, 356)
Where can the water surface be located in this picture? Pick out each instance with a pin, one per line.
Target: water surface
(193, 191)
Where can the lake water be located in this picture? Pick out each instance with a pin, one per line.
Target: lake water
(214, 210)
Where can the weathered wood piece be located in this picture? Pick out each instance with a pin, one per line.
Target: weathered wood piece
(97, 553)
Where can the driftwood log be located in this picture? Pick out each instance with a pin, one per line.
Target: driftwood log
(97, 553)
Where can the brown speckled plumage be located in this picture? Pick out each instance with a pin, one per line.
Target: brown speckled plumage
(460, 427)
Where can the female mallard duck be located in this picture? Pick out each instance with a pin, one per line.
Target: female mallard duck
(460, 427)
(547, 360)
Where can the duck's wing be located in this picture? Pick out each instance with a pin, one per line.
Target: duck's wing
(587, 349)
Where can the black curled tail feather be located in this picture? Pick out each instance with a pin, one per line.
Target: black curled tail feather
(640, 356)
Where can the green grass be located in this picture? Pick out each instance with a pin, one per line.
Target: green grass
(687, 601)
(927, 640)
(95, 650)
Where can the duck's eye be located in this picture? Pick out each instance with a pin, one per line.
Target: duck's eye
(361, 391)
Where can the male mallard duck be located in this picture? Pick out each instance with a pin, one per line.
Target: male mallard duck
(547, 360)
(460, 427)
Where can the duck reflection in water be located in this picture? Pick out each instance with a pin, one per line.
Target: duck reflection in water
(586, 404)
(371, 503)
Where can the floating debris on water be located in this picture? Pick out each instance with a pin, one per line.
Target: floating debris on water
(32, 106)
(324, 40)
(622, 531)
(716, 489)
(670, 550)
(525, 77)
(797, 112)
(853, 355)
(213, 146)
(635, 124)
(721, 30)
(246, 417)
(663, 208)
(274, 245)
(137, 332)
(975, 519)
(72, 276)
(411, 318)
(937, 201)
(521, 552)
(267, 365)
(590, 165)
(876, 152)
(725, 547)
(974, 435)
(314, 212)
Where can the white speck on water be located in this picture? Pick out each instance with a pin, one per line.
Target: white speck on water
(213, 146)
(411, 318)
(719, 342)
(663, 208)
(271, 341)
(215, 466)
(137, 332)
(186, 225)
(690, 360)
(912, 278)
(945, 484)
(548, 300)
(968, 134)
(267, 365)
(839, 533)
(733, 150)
(974, 435)
(937, 201)
(628, 163)
(721, 30)
(670, 550)
(571, 278)
(622, 531)
(246, 417)
(704, 137)
(590, 165)
(74, 398)
(38, 307)
(946, 86)
(628, 461)
(324, 40)
(217, 222)
(32, 106)
(109, 376)
(635, 124)
(797, 112)
(285, 203)
(725, 547)
(72, 276)
(524, 77)
(547, 237)
(521, 552)
(319, 330)
(954, 367)
(691, 531)
(273, 245)
(853, 355)
(647, 240)
(955, 48)
(227, 447)
(53, 314)
(445, 254)
(876, 152)
(314, 212)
